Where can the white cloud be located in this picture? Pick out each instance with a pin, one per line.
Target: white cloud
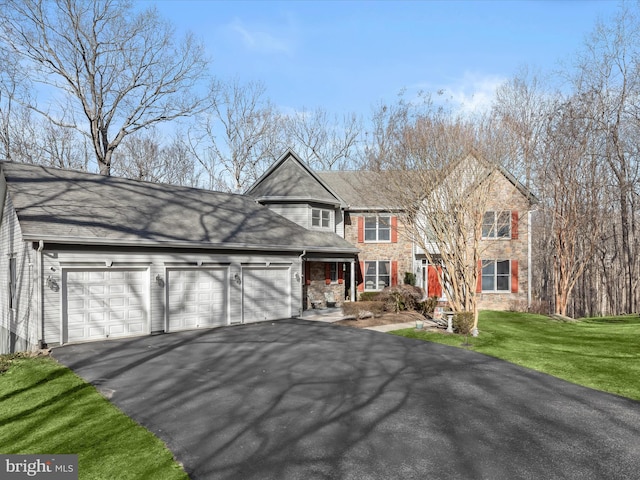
(260, 40)
(474, 93)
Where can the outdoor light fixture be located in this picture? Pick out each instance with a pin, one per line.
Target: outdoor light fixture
(237, 279)
(159, 280)
(51, 283)
(297, 277)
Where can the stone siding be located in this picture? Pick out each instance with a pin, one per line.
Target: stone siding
(504, 196)
(401, 251)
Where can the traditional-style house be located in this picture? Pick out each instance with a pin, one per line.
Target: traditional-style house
(87, 257)
(349, 204)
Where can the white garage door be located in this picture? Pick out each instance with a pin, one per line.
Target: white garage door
(266, 293)
(105, 303)
(197, 298)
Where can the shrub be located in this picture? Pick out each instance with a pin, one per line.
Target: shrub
(463, 322)
(369, 296)
(427, 307)
(362, 309)
(409, 278)
(401, 297)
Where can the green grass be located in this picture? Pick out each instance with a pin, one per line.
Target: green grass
(601, 353)
(46, 409)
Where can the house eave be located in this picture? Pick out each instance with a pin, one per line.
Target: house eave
(273, 199)
(115, 242)
(356, 209)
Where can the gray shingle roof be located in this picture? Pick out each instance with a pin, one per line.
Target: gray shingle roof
(66, 206)
(361, 190)
(291, 180)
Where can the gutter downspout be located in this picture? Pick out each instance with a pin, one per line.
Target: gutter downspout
(40, 290)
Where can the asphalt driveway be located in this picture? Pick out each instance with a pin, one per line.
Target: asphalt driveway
(301, 400)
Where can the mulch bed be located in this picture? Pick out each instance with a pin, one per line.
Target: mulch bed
(386, 319)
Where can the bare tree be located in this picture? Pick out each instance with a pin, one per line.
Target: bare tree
(433, 172)
(571, 170)
(235, 142)
(608, 75)
(325, 142)
(522, 107)
(143, 157)
(121, 68)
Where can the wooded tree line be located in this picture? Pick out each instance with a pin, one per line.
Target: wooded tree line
(102, 85)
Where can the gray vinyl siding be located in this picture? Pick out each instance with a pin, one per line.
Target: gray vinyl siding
(301, 214)
(52, 297)
(339, 219)
(19, 325)
(297, 213)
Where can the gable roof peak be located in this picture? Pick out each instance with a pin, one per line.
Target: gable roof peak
(290, 179)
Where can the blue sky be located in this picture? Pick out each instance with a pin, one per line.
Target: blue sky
(348, 56)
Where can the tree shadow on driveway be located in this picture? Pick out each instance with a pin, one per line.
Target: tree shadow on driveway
(294, 399)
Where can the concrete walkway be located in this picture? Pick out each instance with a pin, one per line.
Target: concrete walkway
(392, 326)
(328, 315)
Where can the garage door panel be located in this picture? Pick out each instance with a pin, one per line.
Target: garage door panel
(266, 293)
(138, 315)
(197, 298)
(116, 302)
(96, 333)
(116, 330)
(105, 303)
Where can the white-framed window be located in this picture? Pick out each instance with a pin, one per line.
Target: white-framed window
(320, 218)
(496, 224)
(333, 272)
(13, 283)
(377, 228)
(496, 276)
(377, 275)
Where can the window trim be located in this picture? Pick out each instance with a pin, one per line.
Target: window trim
(377, 280)
(332, 266)
(495, 275)
(385, 227)
(495, 225)
(321, 214)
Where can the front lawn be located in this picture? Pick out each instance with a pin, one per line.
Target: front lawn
(601, 353)
(47, 409)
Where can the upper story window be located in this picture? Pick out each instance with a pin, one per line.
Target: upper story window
(496, 225)
(320, 218)
(377, 229)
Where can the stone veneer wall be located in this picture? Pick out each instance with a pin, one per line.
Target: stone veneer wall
(318, 287)
(401, 251)
(504, 196)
